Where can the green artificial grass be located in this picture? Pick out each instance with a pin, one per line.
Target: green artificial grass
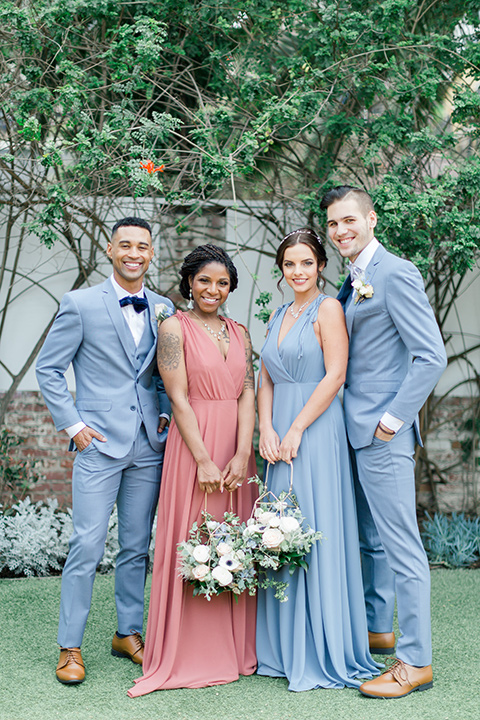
(30, 691)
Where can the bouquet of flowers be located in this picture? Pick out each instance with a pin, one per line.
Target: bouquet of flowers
(215, 559)
(277, 535)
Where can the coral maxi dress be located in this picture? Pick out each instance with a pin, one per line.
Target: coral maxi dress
(192, 642)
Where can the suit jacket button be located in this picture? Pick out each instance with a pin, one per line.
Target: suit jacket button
(132, 407)
(345, 386)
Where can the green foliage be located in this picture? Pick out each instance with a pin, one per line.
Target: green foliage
(16, 475)
(454, 541)
(263, 301)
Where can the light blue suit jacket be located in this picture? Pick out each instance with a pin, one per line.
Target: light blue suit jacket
(396, 351)
(115, 390)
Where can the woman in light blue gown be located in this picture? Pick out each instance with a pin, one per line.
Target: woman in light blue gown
(318, 638)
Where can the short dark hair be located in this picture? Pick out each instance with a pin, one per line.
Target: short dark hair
(304, 236)
(342, 191)
(131, 221)
(198, 258)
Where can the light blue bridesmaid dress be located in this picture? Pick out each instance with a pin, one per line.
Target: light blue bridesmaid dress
(318, 638)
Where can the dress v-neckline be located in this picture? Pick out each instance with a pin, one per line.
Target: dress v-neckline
(212, 342)
(279, 344)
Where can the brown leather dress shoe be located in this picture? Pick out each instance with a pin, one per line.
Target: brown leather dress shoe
(381, 643)
(70, 668)
(399, 680)
(130, 647)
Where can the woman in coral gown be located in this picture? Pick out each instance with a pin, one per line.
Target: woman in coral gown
(319, 637)
(205, 363)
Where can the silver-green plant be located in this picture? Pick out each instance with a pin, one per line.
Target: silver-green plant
(34, 539)
(452, 541)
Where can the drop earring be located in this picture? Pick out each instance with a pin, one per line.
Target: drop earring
(226, 309)
(190, 304)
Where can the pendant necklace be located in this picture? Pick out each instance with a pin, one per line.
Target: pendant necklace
(300, 309)
(217, 335)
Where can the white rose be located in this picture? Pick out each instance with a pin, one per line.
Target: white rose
(258, 512)
(274, 521)
(162, 311)
(357, 285)
(222, 576)
(200, 572)
(251, 530)
(230, 562)
(272, 538)
(212, 525)
(368, 291)
(201, 553)
(223, 548)
(289, 524)
(266, 517)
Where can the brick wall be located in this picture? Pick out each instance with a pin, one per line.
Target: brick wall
(29, 418)
(456, 485)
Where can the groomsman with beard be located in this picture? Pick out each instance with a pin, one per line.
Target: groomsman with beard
(396, 358)
(109, 334)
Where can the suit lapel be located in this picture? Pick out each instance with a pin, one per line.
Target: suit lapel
(345, 291)
(118, 321)
(370, 271)
(154, 326)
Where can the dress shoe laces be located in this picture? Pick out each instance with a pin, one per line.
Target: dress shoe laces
(73, 656)
(398, 670)
(137, 639)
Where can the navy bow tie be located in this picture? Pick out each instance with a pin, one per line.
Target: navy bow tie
(139, 304)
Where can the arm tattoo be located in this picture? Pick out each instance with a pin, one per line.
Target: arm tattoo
(249, 382)
(169, 352)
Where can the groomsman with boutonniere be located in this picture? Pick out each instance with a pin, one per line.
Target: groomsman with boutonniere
(396, 358)
(117, 425)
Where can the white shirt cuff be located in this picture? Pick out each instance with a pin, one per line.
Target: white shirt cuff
(391, 422)
(72, 430)
(165, 415)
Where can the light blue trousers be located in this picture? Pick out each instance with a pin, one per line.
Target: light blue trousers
(98, 481)
(394, 563)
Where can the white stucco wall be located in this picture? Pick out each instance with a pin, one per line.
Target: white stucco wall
(32, 306)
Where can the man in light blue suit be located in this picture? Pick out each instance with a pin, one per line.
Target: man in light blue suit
(396, 357)
(118, 425)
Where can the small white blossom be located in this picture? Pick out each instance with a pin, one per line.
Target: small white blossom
(222, 576)
(162, 311)
(201, 553)
(230, 562)
(200, 572)
(288, 524)
(223, 548)
(272, 538)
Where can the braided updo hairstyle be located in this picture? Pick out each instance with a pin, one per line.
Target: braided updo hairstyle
(306, 236)
(198, 258)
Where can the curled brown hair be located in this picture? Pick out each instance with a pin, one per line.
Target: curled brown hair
(304, 236)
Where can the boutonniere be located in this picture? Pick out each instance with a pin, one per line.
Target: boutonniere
(162, 312)
(363, 290)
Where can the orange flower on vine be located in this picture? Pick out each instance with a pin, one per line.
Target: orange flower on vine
(150, 168)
